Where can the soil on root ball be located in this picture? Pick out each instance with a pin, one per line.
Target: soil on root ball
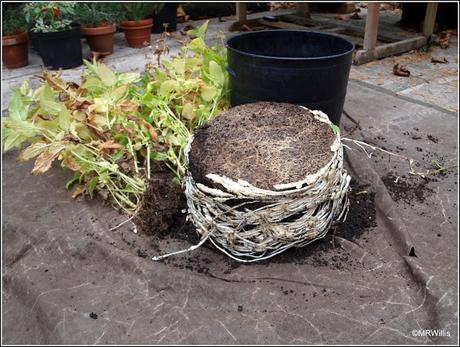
(263, 143)
(161, 206)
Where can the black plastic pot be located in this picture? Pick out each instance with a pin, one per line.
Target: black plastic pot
(168, 14)
(33, 40)
(294, 66)
(61, 49)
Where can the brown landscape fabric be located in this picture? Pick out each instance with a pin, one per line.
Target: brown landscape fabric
(389, 270)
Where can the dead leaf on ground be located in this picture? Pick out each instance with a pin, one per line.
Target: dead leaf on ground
(105, 146)
(341, 17)
(80, 190)
(444, 38)
(401, 70)
(440, 60)
(356, 16)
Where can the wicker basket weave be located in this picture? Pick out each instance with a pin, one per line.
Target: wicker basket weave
(250, 224)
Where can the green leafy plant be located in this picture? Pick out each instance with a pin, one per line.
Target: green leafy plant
(136, 11)
(110, 128)
(13, 21)
(94, 14)
(50, 16)
(188, 90)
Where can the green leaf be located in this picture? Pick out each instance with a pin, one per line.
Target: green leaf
(16, 108)
(92, 185)
(197, 45)
(216, 72)
(335, 128)
(128, 77)
(64, 119)
(93, 84)
(73, 180)
(48, 104)
(199, 32)
(106, 75)
(117, 156)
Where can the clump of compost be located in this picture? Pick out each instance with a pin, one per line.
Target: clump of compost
(263, 178)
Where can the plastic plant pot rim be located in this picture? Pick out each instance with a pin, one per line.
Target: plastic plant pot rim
(349, 51)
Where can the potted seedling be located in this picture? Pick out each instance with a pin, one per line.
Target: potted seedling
(97, 21)
(14, 39)
(59, 43)
(137, 22)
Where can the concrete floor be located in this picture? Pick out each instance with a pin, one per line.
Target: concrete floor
(429, 83)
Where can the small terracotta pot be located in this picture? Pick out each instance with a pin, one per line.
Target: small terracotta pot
(137, 33)
(100, 39)
(15, 50)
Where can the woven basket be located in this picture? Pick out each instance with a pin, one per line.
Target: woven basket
(250, 224)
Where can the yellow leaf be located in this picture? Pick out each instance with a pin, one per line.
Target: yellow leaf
(106, 75)
(32, 151)
(208, 92)
(167, 87)
(188, 112)
(216, 72)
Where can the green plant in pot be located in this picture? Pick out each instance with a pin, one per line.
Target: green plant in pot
(97, 21)
(15, 41)
(59, 43)
(137, 22)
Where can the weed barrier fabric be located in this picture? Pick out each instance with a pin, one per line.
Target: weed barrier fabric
(67, 279)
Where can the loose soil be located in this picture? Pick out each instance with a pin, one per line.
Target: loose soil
(361, 219)
(263, 143)
(408, 191)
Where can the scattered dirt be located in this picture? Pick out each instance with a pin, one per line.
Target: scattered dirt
(432, 138)
(93, 315)
(361, 218)
(263, 143)
(415, 189)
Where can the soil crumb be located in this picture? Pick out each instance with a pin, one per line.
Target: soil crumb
(408, 191)
(263, 143)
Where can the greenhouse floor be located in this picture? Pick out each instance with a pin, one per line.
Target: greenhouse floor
(384, 277)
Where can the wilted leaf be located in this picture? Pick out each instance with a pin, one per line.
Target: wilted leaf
(109, 145)
(401, 70)
(70, 163)
(80, 190)
(119, 92)
(216, 72)
(32, 151)
(188, 112)
(45, 159)
(106, 75)
(208, 92)
(150, 129)
(168, 87)
(441, 60)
